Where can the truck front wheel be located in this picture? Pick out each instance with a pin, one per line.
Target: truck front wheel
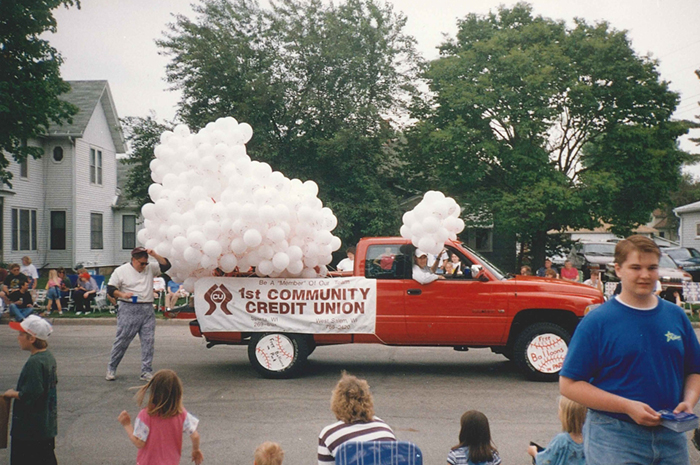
(540, 349)
(277, 355)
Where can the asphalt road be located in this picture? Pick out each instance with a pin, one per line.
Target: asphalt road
(420, 392)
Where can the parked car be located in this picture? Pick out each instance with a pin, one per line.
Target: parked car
(687, 258)
(592, 255)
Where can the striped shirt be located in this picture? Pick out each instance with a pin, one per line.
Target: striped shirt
(339, 432)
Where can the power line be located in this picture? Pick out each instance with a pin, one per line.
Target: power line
(680, 49)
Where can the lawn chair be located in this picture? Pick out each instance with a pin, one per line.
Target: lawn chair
(40, 301)
(609, 289)
(378, 453)
(691, 295)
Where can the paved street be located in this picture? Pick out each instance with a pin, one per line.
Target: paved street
(420, 392)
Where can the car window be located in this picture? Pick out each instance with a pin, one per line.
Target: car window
(666, 262)
(599, 249)
(694, 253)
(679, 254)
(387, 262)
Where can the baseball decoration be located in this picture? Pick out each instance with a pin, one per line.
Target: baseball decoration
(214, 207)
(546, 353)
(275, 352)
(432, 222)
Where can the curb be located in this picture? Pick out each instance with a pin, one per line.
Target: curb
(102, 322)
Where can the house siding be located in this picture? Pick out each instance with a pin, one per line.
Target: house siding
(29, 194)
(689, 237)
(93, 198)
(60, 194)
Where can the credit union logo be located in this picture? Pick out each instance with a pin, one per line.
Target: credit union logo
(218, 295)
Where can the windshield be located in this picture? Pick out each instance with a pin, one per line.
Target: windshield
(666, 262)
(599, 249)
(488, 265)
(679, 254)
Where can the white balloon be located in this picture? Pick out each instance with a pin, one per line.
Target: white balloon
(252, 238)
(308, 273)
(280, 261)
(154, 191)
(431, 224)
(192, 255)
(335, 243)
(211, 229)
(228, 263)
(188, 284)
(212, 249)
(207, 262)
(426, 243)
(295, 267)
(148, 211)
(238, 246)
(265, 267)
(245, 131)
(180, 243)
(275, 234)
(196, 239)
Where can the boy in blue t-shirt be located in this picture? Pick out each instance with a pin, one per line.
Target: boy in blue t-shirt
(628, 359)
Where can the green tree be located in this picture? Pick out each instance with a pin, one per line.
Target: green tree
(320, 84)
(30, 79)
(549, 127)
(142, 134)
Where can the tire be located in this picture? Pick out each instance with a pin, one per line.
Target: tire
(277, 355)
(540, 349)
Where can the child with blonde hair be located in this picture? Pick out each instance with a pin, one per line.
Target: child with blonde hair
(158, 428)
(475, 446)
(54, 295)
(269, 453)
(565, 448)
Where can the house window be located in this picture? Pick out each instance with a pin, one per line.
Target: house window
(96, 230)
(24, 168)
(697, 229)
(481, 239)
(96, 166)
(23, 229)
(58, 230)
(128, 231)
(58, 154)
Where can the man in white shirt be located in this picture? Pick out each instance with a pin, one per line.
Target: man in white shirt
(421, 271)
(132, 285)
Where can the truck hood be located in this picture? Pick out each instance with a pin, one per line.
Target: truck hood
(555, 286)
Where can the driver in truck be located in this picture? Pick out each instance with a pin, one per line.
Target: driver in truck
(421, 271)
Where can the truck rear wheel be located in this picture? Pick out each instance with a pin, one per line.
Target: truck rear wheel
(540, 349)
(277, 355)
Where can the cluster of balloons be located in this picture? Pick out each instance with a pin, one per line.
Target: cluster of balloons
(213, 207)
(432, 222)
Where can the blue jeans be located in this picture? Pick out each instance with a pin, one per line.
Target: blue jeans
(20, 313)
(608, 440)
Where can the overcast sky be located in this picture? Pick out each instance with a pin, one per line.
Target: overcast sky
(114, 40)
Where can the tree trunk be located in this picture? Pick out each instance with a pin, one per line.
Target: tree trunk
(538, 250)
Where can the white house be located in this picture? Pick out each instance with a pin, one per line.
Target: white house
(62, 208)
(689, 229)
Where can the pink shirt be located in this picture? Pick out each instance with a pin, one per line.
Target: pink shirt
(163, 437)
(569, 273)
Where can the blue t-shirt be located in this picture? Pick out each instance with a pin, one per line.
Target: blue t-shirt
(642, 355)
(561, 450)
(173, 286)
(460, 456)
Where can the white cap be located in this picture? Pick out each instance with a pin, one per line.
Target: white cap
(420, 253)
(34, 325)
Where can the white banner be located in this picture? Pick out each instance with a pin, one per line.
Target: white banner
(311, 306)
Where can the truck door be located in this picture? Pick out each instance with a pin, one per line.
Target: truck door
(388, 264)
(456, 310)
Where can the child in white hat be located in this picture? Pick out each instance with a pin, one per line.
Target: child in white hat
(34, 414)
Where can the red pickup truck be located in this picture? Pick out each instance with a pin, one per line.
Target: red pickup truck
(529, 320)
